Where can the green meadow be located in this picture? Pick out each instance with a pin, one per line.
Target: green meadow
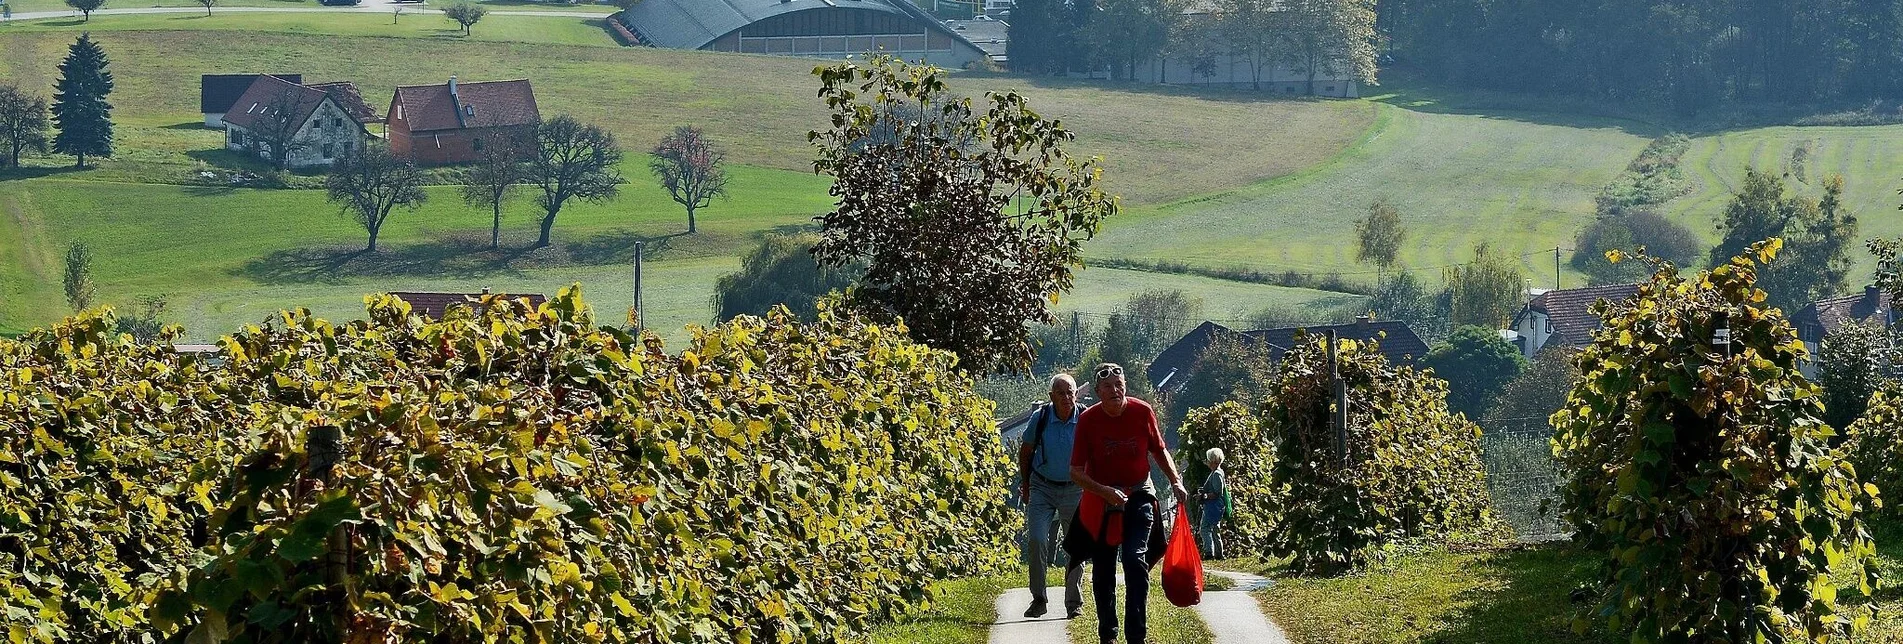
(1211, 178)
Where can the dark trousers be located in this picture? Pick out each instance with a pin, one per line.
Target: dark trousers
(1137, 516)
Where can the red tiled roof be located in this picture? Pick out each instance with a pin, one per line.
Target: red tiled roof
(1398, 342)
(1829, 313)
(480, 104)
(347, 97)
(270, 93)
(434, 305)
(1570, 310)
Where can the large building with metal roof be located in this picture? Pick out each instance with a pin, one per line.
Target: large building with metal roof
(811, 28)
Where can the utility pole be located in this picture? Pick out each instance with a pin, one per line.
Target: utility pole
(639, 324)
(1555, 268)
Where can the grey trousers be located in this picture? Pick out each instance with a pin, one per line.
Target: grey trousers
(1051, 503)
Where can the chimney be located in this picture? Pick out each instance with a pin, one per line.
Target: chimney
(452, 86)
(1361, 322)
(1873, 293)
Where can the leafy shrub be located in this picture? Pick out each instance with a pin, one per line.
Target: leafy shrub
(780, 271)
(517, 474)
(1248, 457)
(1412, 468)
(1875, 447)
(1703, 472)
(98, 435)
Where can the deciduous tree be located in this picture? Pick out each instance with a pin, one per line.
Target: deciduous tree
(79, 276)
(280, 132)
(1818, 237)
(86, 7)
(781, 271)
(1476, 363)
(80, 110)
(207, 4)
(1329, 37)
(572, 161)
(1486, 291)
(493, 178)
(1379, 236)
(691, 169)
(465, 13)
(1852, 363)
(22, 124)
(369, 183)
(970, 244)
(1124, 33)
(1252, 30)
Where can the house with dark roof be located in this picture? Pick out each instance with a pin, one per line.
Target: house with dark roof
(218, 92)
(320, 122)
(1563, 317)
(1817, 319)
(810, 28)
(1173, 367)
(452, 122)
(433, 305)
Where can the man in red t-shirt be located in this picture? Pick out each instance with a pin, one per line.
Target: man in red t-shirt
(1116, 440)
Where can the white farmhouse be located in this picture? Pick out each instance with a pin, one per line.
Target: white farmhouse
(317, 122)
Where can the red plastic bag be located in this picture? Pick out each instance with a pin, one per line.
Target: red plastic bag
(1182, 565)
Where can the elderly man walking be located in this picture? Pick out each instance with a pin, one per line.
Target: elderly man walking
(1048, 493)
(1116, 440)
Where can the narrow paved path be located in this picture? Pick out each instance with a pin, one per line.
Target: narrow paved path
(1235, 617)
(368, 6)
(1013, 628)
(1232, 615)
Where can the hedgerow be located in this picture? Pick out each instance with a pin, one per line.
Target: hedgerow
(1248, 456)
(1412, 469)
(518, 474)
(1703, 471)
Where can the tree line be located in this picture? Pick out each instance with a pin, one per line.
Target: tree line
(1689, 56)
(1311, 37)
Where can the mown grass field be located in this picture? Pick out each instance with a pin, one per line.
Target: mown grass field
(1504, 596)
(225, 256)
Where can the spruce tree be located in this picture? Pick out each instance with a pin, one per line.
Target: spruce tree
(80, 111)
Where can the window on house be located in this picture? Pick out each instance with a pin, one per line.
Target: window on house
(1331, 88)
(328, 150)
(237, 136)
(1291, 89)
(336, 122)
(346, 147)
(478, 145)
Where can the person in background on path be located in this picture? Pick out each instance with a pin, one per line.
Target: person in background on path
(1048, 494)
(1116, 440)
(1215, 497)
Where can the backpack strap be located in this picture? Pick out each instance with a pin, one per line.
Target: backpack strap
(1037, 433)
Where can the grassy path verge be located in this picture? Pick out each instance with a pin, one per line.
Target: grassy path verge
(962, 615)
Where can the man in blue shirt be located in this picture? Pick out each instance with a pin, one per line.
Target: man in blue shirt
(1048, 493)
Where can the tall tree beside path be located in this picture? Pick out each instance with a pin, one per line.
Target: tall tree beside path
(464, 13)
(1329, 37)
(86, 7)
(1378, 237)
(691, 169)
(207, 4)
(22, 124)
(970, 243)
(1476, 363)
(370, 183)
(79, 276)
(494, 177)
(572, 161)
(80, 110)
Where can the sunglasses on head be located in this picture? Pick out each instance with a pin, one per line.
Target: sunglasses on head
(1109, 371)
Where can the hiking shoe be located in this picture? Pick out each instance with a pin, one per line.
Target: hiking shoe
(1037, 608)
